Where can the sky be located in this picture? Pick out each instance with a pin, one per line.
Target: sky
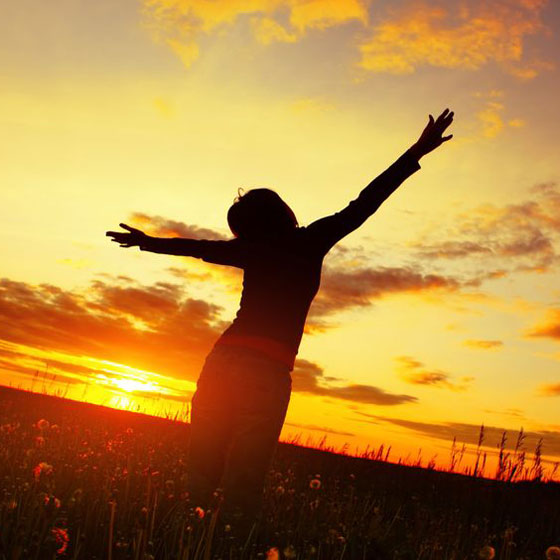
(441, 313)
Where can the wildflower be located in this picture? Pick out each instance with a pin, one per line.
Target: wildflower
(280, 490)
(553, 553)
(12, 504)
(42, 469)
(487, 553)
(55, 428)
(199, 512)
(51, 502)
(43, 424)
(315, 484)
(227, 528)
(273, 554)
(61, 538)
(39, 441)
(289, 552)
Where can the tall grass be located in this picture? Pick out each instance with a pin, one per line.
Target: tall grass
(82, 482)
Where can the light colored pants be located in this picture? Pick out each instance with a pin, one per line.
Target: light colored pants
(237, 414)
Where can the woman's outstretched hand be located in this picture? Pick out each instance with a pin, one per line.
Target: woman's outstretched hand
(131, 239)
(432, 137)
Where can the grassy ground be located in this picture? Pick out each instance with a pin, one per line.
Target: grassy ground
(79, 481)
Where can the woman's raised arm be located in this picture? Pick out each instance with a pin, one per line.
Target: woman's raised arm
(327, 231)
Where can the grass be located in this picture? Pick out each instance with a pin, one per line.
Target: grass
(80, 481)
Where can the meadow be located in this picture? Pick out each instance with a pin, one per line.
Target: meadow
(80, 481)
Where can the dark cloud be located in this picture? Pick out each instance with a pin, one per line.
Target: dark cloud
(469, 433)
(307, 377)
(413, 371)
(344, 288)
(520, 235)
(102, 322)
(319, 429)
(164, 227)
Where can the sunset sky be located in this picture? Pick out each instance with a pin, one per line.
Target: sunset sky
(441, 313)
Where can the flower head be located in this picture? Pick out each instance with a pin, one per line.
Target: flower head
(289, 552)
(487, 553)
(61, 538)
(42, 469)
(273, 554)
(315, 484)
(553, 553)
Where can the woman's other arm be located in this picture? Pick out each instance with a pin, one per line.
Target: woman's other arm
(226, 252)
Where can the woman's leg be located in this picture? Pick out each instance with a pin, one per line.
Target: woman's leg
(260, 410)
(210, 433)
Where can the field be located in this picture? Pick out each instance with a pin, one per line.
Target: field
(80, 481)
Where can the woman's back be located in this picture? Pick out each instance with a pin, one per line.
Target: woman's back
(281, 278)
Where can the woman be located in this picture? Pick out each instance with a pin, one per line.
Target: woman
(244, 388)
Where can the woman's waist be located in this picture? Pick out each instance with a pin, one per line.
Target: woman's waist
(276, 350)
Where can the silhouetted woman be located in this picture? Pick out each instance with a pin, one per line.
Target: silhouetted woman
(244, 387)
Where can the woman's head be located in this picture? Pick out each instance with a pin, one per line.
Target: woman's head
(260, 213)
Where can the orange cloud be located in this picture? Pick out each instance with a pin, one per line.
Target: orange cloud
(467, 34)
(307, 377)
(155, 328)
(182, 23)
(524, 234)
(484, 344)
(343, 288)
(551, 390)
(549, 328)
(492, 120)
(413, 371)
(164, 227)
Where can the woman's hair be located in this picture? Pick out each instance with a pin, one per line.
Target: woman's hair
(260, 213)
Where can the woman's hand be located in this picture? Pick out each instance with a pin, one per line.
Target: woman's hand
(135, 237)
(432, 137)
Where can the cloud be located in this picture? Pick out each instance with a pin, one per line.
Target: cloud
(492, 120)
(319, 429)
(469, 433)
(343, 288)
(463, 34)
(182, 24)
(522, 234)
(164, 227)
(550, 390)
(196, 270)
(307, 377)
(549, 327)
(412, 371)
(156, 328)
(484, 344)
(467, 34)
